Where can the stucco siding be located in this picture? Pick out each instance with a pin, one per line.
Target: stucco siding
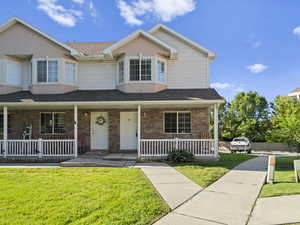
(190, 70)
(97, 76)
(20, 40)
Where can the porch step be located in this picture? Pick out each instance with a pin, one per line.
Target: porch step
(92, 162)
(121, 157)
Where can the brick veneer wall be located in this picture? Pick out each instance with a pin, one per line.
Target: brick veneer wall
(152, 121)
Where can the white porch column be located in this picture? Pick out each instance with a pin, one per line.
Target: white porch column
(5, 130)
(216, 129)
(139, 130)
(75, 131)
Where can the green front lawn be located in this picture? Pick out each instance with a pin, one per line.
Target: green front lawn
(205, 173)
(78, 196)
(284, 179)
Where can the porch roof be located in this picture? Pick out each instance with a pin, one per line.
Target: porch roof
(205, 95)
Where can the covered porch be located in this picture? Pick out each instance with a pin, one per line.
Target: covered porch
(150, 128)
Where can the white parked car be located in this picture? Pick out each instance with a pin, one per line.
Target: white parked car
(240, 144)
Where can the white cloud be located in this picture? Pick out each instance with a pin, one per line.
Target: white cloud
(128, 13)
(93, 11)
(78, 1)
(165, 10)
(221, 85)
(257, 68)
(63, 16)
(296, 31)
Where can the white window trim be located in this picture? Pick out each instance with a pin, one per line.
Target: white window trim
(52, 124)
(76, 71)
(158, 59)
(118, 71)
(140, 64)
(47, 60)
(177, 112)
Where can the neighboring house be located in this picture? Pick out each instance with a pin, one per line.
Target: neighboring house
(149, 92)
(295, 93)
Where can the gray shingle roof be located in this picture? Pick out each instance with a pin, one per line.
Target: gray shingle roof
(114, 95)
(90, 48)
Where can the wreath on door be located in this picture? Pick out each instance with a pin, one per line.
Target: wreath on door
(100, 120)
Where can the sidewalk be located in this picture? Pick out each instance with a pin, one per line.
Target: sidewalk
(227, 201)
(276, 210)
(174, 187)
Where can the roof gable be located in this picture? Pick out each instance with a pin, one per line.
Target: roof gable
(15, 20)
(133, 36)
(210, 53)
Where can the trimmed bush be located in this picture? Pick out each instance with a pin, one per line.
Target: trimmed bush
(180, 156)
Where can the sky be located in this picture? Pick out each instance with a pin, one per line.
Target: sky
(257, 42)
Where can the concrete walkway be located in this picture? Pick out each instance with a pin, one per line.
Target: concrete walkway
(174, 187)
(227, 201)
(276, 210)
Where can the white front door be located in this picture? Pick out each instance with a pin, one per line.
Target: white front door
(128, 131)
(99, 130)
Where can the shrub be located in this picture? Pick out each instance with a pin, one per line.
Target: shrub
(180, 156)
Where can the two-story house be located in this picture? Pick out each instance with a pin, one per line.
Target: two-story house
(295, 93)
(149, 92)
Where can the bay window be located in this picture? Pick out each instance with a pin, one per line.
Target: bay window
(70, 72)
(52, 123)
(140, 69)
(161, 71)
(177, 122)
(121, 71)
(14, 73)
(47, 70)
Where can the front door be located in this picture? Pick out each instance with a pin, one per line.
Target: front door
(128, 131)
(99, 131)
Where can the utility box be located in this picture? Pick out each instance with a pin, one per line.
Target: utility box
(271, 169)
(297, 170)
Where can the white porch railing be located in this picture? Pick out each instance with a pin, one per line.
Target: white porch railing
(162, 147)
(40, 148)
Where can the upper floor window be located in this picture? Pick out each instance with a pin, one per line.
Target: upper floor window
(52, 123)
(70, 71)
(121, 71)
(47, 71)
(140, 69)
(161, 71)
(14, 73)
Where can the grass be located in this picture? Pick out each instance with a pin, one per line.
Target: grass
(284, 179)
(205, 173)
(78, 196)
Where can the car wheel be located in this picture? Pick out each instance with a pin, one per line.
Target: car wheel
(249, 151)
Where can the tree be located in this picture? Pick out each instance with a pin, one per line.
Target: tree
(286, 121)
(248, 116)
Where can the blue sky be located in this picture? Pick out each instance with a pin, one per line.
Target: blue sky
(257, 42)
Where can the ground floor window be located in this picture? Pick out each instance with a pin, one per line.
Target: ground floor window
(52, 123)
(2, 123)
(177, 122)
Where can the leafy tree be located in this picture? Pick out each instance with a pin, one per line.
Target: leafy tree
(286, 121)
(248, 116)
